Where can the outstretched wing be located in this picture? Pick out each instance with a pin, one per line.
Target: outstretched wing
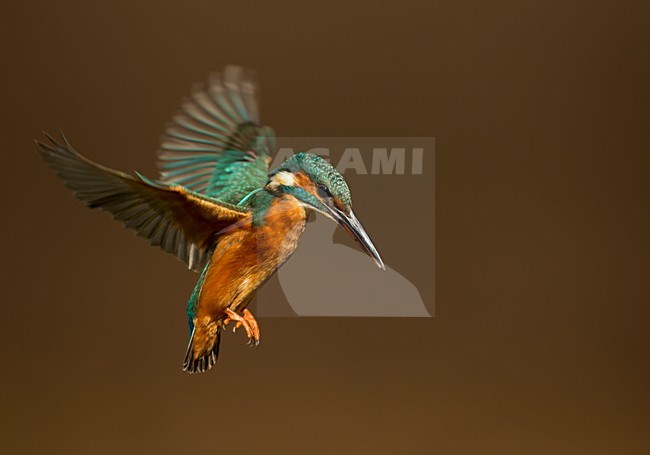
(180, 221)
(215, 144)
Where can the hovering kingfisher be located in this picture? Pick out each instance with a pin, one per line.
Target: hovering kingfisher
(216, 206)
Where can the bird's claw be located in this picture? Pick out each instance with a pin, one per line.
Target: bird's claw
(248, 322)
(253, 340)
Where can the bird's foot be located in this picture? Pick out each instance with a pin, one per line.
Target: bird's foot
(255, 328)
(248, 322)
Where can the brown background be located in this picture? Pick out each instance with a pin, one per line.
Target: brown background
(540, 340)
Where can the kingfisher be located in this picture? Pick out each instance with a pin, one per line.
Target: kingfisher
(217, 205)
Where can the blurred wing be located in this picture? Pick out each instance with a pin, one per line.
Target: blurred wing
(181, 222)
(215, 144)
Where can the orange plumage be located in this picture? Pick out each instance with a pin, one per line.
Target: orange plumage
(243, 260)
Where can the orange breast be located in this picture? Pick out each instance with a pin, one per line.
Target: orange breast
(248, 256)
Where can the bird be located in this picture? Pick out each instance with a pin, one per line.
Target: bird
(216, 204)
(367, 292)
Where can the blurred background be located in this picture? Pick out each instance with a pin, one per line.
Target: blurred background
(539, 342)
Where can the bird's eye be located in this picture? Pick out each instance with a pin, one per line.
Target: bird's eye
(323, 191)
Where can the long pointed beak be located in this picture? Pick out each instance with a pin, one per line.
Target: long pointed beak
(352, 225)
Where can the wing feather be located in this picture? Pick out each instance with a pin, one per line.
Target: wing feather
(215, 144)
(183, 223)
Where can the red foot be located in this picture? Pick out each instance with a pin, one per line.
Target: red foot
(247, 321)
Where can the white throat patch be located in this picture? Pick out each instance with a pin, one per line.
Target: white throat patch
(282, 178)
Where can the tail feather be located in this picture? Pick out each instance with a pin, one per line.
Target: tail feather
(202, 362)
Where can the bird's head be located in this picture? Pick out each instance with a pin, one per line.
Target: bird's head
(318, 186)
